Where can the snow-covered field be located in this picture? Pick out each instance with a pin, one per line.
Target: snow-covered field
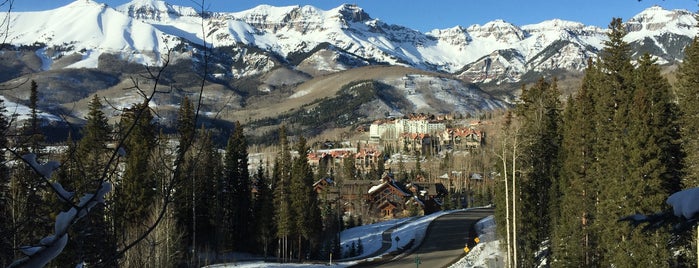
(408, 229)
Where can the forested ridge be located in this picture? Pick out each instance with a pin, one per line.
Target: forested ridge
(574, 166)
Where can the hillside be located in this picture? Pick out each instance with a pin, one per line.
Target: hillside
(267, 61)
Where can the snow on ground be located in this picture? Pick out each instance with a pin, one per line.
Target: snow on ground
(408, 229)
(260, 264)
(46, 61)
(370, 235)
(413, 230)
(486, 253)
(23, 112)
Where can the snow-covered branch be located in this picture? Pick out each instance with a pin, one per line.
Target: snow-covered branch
(51, 246)
(684, 212)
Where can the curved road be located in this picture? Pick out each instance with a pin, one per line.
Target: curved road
(444, 241)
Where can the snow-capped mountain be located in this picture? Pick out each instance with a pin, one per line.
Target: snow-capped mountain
(267, 37)
(87, 28)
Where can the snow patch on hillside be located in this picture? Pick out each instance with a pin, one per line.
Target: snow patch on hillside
(22, 112)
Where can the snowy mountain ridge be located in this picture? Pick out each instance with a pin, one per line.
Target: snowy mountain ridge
(140, 31)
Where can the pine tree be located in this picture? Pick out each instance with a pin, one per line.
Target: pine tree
(352, 251)
(654, 159)
(350, 171)
(360, 247)
(687, 91)
(136, 192)
(81, 170)
(304, 202)
(263, 210)
(574, 243)
(640, 164)
(31, 126)
(184, 182)
(540, 136)
(238, 207)
(6, 246)
(30, 217)
(197, 200)
(185, 125)
(208, 168)
(92, 152)
(611, 170)
(282, 177)
(687, 95)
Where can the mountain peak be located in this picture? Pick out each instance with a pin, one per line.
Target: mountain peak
(353, 13)
(555, 24)
(154, 10)
(84, 3)
(656, 17)
(499, 29)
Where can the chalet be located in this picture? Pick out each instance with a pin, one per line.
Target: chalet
(462, 137)
(415, 141)
(323, 184)
(388, 198)
(366, 157)
(430, 195)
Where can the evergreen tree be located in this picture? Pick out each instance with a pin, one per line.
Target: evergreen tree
(184, 182)
(31, 126)
(208, 168)
(654, 159)
(304, 202)
(353, 250)
(197, 202)
(612, 97)
(185, 125)
(29, 194)
(82, 168)
(263, 210)
(238, 207)
(687, 94)
(92, 152)
(687, 91)
(574, 243)
(360, 246)
(136, 192)
(350, 168)
(540, 136)
(620, 157)
(282, 178)
(6, 245)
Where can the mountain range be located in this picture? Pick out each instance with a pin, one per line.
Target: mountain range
(265, 55)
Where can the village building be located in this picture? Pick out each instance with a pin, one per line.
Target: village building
(387, 200)
(415, 142)
(389, 130)
(461, 138)
(430, 195)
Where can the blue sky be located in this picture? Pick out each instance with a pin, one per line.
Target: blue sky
(427, 15)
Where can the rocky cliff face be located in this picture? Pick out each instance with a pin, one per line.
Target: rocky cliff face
(497, 51)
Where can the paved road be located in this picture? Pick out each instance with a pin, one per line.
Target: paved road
(444, 241)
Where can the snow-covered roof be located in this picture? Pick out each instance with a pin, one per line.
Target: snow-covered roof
(376, 188)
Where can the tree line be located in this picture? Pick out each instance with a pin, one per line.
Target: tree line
(620, 146)
(216, 207)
